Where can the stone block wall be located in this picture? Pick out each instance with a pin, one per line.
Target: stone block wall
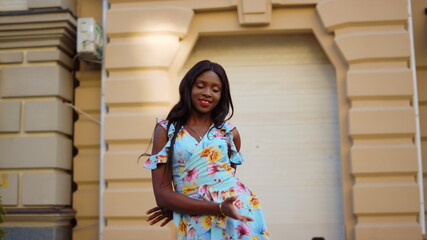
(36, 123)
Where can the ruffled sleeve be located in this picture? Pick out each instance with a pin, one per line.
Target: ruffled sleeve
(236, 157)
(162, 155)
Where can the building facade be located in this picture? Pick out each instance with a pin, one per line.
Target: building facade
(324, 94)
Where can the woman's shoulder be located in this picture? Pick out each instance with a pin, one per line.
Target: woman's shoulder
(162, 122)
(228, 126)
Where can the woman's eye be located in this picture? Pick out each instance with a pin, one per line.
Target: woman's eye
(199, 86)
(215, 90)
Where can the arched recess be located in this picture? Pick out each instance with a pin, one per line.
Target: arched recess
(283, 22)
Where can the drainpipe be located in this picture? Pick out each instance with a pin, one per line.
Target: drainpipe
(103, 110)
(417, 120)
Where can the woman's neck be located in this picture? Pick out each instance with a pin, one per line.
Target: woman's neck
(197, 119)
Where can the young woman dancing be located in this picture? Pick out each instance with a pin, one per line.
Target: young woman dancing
(198, 151)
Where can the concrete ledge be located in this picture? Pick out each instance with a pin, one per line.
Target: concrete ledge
(36, 81)
(48, 116)
(36, 152)
(46, 188)
(10, 116)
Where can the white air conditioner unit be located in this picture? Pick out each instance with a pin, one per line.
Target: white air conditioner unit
(89, 39)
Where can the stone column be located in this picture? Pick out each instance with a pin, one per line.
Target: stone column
(36, 125)
(372, 37)
(143, 44)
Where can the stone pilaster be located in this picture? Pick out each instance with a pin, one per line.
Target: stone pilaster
(375, 44)
(142, 47)
(36, 125)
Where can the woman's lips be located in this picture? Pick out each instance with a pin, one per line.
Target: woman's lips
(204, 102)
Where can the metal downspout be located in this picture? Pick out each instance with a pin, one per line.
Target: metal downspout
(103, 110)
(417, 120)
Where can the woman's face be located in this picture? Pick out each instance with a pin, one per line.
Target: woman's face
(206, 92)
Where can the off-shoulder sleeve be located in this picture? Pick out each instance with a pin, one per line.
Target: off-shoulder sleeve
(162, 155)
(236, 157)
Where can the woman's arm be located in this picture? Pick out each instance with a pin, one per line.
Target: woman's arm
(166, 198)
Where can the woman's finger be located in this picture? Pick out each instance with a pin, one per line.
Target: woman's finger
(156, 220)
(165, 222)
(154, 209)
(155, 215)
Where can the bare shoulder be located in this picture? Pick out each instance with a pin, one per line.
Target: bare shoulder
(236, 138)
(159, 139)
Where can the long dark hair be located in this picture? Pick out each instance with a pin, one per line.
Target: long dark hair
(180, 113)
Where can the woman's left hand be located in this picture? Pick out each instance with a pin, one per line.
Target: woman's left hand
(157, 214)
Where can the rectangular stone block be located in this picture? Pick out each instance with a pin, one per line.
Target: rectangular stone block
(151, 232)
(46, 188)
(36, 81)
(13, 5)
(50, 55)
(386, 198)
(362, 84)
(125, 166)
(86, 229)
(389, 231)
(148, 20)
(11, 57)
(10, 116)
(397, 120)
(88, 98)
(86, 133)
(48, 116)
(128, 203)
(129, 126)
(364, 46)
(53, 151)
(86, 167)
(384, 159)
(86, 202)
(149, 51)
(9, 188)
(138, 91)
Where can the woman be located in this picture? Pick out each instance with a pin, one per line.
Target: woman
(197, 150)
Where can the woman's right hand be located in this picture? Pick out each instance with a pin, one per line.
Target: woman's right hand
(229, 210)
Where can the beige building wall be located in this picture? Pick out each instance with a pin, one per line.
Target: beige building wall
(369, 48)
(36, 122)
(367, 42)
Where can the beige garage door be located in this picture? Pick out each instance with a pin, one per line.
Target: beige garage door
(284, 92)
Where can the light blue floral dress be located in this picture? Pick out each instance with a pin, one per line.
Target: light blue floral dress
(202, 170)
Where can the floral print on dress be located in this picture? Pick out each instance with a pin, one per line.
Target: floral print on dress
(203, 170)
